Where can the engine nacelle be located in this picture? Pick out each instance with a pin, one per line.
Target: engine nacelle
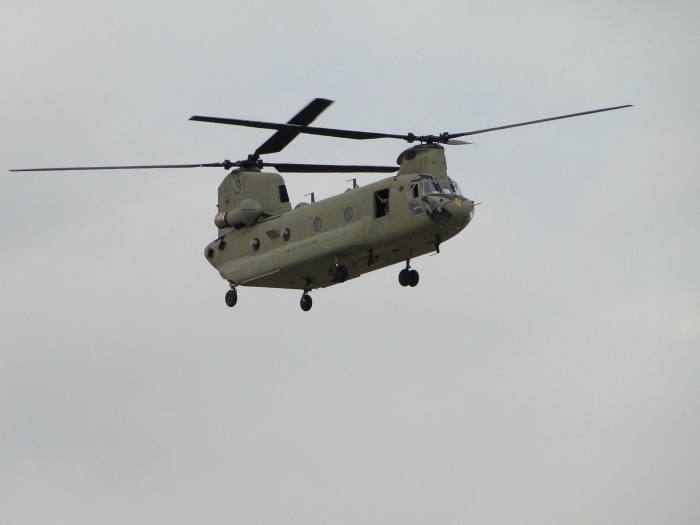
(245, 214)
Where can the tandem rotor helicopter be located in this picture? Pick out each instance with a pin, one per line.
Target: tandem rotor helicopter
(263, 241)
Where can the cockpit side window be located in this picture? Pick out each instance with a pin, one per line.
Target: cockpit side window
(413, 191)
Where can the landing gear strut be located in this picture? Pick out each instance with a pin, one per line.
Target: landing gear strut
(408, 277)
(372, 259)
(306, 301)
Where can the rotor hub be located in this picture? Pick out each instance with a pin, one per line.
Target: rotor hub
(442, 138)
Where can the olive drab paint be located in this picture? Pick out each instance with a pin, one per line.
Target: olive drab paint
(380, 232)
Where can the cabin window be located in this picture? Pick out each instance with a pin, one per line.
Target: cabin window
(317, 224)
(348, 214)
(284, 196)
(381, 203)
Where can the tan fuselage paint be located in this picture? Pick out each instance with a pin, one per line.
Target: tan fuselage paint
(302, 262)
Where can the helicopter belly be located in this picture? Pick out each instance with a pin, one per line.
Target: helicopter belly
(312, 274)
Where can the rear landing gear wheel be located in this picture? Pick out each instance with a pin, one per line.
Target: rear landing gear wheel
(404, 277)
(343, 273)
(231, 298)
(413, 278)
(306, 302)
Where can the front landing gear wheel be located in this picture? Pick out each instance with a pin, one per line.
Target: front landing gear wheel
(231, 298)
(337, 273)
(306, 302)
(404, 277)
(334, 274)
(413, 278)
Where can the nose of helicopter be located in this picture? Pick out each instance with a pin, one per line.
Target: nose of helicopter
(456, 212)
(462, 211)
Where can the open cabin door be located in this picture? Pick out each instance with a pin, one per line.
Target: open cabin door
(382, 209)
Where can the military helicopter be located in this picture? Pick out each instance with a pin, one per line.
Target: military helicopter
(262, 241)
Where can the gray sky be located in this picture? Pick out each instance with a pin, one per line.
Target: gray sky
(546, 368)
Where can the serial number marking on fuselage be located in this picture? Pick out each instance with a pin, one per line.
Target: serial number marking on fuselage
(300, 246)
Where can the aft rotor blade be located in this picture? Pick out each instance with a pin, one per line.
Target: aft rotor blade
(326, 132)
(455, 135)
(156, 166)
(282, 138)
(328, 168)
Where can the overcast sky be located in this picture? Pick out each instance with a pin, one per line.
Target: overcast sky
(546, 368)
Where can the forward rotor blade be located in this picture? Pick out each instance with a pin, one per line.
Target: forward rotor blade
(157, 166)
(327, 132)
(454, 135)
(453, 142)
(328, 168)
(282, 138)
(364, 135)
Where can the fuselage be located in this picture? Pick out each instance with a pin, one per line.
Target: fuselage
(365, 228)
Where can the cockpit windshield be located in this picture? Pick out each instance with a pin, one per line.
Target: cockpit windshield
(429, 187)
(446, 188)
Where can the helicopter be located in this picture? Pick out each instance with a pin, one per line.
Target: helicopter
(263, 242)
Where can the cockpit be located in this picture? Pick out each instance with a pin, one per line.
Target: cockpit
(426, 185)
(428, 195)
